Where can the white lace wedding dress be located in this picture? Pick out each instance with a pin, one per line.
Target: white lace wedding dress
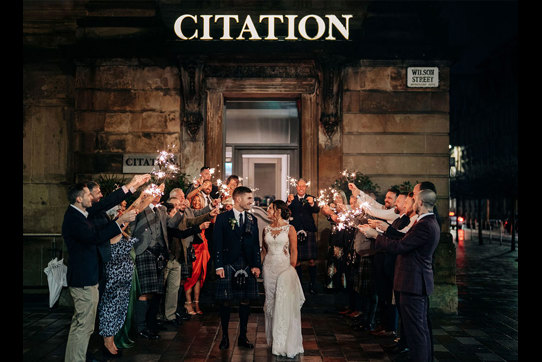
(283, 295)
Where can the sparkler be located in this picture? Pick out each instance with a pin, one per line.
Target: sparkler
(292, 182)
(350, 176)
(164, 165)
(144, 200)
(345, 218)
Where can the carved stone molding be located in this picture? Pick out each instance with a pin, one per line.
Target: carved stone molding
(192, 93)
(331, 93)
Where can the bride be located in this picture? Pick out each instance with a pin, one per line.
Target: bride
(283, 293)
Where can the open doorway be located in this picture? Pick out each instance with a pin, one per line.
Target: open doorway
(261, 145)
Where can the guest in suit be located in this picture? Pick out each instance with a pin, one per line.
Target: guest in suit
(395, 232)
(386, 267)
(237, 259)
(152, 254)
(82, 238)
(196, 186)
(97, 214)
(303, 207)
(414, 273)
(428, 185)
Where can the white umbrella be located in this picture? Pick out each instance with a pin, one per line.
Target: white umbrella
(56, 278)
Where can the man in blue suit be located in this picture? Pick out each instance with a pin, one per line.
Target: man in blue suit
(82, 238)
(413, 277)
(237, 262)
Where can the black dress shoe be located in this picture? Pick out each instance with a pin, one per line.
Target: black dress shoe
(183, 316)
(148, 334)
(311, 289)
(399, 350)
(243, 342)
(224, 343)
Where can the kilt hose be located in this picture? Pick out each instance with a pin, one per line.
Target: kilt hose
(307, 249)
(151, 280)
(224, 289)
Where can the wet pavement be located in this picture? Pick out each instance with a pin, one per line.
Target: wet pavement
(484, 329)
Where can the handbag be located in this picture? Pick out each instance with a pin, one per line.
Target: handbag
(190, 254)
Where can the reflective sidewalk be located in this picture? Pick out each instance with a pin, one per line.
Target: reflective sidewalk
(485, 328)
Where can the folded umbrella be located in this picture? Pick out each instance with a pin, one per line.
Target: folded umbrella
(56, 278)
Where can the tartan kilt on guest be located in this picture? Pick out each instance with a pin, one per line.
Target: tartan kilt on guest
(224, 290)
(307, 249)
(363, 282)
(151, 280)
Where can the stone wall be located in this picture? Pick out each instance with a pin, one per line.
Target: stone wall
(123, 106)
(47, 119)
(394, 134)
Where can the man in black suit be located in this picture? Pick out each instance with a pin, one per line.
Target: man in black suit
(82, 238)
(303, 206)
(97, 214)
(237, 262)
(414, 273)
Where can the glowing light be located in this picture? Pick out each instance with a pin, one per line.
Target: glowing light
(164, 165)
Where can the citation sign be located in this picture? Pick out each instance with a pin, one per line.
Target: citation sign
(422, 77)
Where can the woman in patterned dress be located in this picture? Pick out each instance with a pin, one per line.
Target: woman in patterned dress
(113, 305)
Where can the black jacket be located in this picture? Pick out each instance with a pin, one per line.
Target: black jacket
(302, 213)
(229, 245)
(82, 239)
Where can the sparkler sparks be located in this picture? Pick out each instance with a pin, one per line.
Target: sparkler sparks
(350, 176)
(164, 165)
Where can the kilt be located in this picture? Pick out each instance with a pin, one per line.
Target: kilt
(363, 282)
(150, 279)
(307, 249)
(224, 290)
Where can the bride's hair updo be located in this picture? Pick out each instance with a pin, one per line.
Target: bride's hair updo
(285, 212)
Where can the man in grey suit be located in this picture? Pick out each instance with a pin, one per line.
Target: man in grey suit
(152, 255)
(413, 277)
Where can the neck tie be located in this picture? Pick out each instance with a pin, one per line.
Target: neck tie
(240, 220)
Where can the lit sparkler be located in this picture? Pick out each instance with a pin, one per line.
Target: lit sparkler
(164, 165)
(350, 176)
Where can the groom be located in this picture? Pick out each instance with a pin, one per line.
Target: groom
(237, 262)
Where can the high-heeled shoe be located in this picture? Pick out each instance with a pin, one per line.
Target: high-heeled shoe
(188, 307)
(198, 311)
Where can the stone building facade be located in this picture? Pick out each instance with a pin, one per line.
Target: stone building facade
(100, 81)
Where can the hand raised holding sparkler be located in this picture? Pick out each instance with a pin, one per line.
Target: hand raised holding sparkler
(127, 217)
(368, 231)
(138, 180)
(378, 224)
(290, 198)
(352, 187)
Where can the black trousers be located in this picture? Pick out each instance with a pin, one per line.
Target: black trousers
(414, 318)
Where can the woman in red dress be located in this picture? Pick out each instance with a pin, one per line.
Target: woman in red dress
(199, 266)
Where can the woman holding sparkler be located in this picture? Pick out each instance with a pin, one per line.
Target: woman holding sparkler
(336, 267)
(199, 265)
